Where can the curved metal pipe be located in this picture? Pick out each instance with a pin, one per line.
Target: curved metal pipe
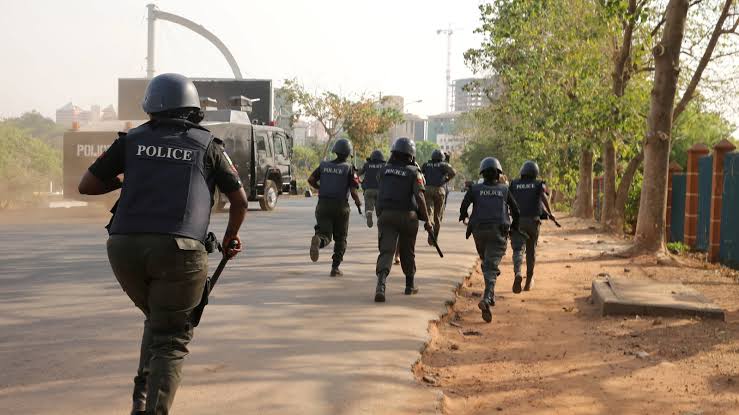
(158, 14)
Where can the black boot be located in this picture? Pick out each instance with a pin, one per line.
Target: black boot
(410, 288)
(517, 284)
(336, 272)
(380, 289)
(529, 283)
(488, 300)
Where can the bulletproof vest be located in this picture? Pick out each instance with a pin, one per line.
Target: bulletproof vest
(396, 189)
(489, 204)
(527, 193)
(165, 188)
(371, 168)
(435, 172)
(334, 180)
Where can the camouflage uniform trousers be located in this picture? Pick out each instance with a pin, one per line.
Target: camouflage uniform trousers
(435, 201)
(164, 276)
(520, 244)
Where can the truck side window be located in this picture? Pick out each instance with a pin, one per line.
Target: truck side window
(263, 145)
(279, 149)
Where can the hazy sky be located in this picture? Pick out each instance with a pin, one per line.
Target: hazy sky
(57, 51)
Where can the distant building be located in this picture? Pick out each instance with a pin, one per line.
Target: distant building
(69, 114)
(109, 113)
(441, 124)
(452, 143)
(300, 133)
(412, 126)
(315, 133)
(472, 93)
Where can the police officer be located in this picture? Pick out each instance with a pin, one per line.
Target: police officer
(172, 167)
(335, 179)
(369, 183)
(492, 209)
(400, 204)
(437, 173)
(531, 196)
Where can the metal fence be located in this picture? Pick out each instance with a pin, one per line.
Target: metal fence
(677, 219)
(729, 252)
(705, 178)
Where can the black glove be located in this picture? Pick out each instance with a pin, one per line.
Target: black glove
(359, 208)
(462, 217)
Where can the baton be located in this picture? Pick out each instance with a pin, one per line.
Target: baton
(210, 282)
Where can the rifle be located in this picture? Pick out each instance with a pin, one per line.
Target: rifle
(210, 282)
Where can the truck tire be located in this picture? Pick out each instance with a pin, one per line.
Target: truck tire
(219, 202)
(269, 199)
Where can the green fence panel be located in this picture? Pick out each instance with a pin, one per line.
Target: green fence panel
(729, 252)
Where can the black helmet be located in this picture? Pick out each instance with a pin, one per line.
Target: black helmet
(437, 155)
(343, 147)
(530, 168)
(170, 91)
(377, 156)
(404, 145)
(490, 163)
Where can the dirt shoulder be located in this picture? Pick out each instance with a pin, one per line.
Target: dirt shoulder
(548, 351)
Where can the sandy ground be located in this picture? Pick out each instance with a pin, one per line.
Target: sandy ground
(548, 351)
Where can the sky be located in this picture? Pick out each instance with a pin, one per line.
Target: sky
(54, 52)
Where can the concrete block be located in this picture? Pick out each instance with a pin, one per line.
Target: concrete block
(627, 296)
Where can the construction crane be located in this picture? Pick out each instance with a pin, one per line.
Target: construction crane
(449, 87)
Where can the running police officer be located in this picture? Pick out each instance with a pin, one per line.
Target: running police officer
(369, 183)
(156, 246)
(531, 196)
(492, 209)
(437, 173)
(335, 179)
(400, 204)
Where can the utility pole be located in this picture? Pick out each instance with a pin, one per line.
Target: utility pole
(448, 32)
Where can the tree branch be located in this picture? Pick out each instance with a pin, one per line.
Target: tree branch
(705, 59)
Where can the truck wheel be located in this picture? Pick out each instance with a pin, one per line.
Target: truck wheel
(269, 200)
(219, 202)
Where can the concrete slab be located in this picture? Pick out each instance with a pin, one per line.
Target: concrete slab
(628, 296)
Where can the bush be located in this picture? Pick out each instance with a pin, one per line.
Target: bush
(678, 248)
(27, 165)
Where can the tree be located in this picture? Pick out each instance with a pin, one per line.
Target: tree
(554, 103)
(650, 236)
(328, 108)
(367, 121)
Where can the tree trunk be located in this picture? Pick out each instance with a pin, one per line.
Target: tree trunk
(584, 198)
(616, 222)
(650, 225)
(609, 181)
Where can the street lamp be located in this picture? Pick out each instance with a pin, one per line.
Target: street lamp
(411, 103)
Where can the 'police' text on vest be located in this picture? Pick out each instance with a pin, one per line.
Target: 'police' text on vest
(164, 152)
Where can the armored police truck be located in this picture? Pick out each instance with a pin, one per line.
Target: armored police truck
(260, 153)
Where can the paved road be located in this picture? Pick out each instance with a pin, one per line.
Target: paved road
(280, 335)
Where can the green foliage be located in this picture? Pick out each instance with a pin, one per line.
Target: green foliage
(305, 159)
(424, 150)
(27, 164)
(677, 248)
(37, 126)
(696, 126)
